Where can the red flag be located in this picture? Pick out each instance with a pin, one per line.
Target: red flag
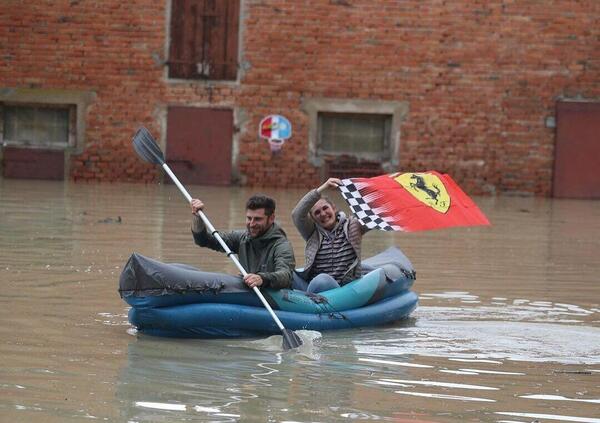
(410, 202)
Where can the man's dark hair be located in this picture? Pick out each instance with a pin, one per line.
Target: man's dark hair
(261, 202)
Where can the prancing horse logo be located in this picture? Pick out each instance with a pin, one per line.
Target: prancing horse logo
(427, 188)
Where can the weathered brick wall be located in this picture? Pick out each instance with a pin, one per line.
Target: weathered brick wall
(480, 78)
(109, 47)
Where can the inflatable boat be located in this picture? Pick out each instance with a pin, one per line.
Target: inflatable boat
(177, 300)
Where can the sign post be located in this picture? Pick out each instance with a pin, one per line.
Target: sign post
(275, 129)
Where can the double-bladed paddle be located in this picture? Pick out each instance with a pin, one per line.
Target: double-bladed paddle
(147, 148)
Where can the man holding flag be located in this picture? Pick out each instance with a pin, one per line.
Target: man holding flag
(412, 201)
(333, 242)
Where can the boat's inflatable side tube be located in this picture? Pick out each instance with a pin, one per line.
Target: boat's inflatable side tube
(148, 283)
(352, 295)
(229, 320)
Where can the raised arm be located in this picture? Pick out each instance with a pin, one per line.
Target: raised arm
(301, 213)
(204, 239)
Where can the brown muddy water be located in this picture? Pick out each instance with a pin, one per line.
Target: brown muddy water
(507, 328)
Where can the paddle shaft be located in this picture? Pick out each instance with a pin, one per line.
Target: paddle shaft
(229, 253)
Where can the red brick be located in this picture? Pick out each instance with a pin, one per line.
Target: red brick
(480, 79)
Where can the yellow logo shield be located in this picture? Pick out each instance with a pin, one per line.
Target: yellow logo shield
(426, 188)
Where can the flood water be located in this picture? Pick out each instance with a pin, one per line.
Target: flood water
(507, 328)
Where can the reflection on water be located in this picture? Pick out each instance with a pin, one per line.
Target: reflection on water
(553, 417)
(520, 330)
(309, 347)
(507, 330)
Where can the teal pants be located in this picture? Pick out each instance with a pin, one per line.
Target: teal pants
(321, 282)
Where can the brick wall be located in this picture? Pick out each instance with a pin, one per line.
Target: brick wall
(480, 78)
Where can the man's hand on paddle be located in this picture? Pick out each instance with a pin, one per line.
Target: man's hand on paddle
(197, 205)
(253, 280)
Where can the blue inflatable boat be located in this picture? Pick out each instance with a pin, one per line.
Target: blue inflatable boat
(177, 300)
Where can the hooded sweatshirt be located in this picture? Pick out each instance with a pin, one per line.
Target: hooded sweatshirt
(270, 255)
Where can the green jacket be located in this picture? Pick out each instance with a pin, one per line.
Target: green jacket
(270, 256)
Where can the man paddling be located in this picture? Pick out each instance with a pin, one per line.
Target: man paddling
(263, 248)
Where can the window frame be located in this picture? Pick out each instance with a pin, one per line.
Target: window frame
(397, 109)
(71, 126)
(80, 100)
(322, 151)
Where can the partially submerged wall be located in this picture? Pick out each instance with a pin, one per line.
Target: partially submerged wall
(479, 81)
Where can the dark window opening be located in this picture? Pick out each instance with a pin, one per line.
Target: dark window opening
(44, 126)
(353, 144)
(204, 39)
(363, 135)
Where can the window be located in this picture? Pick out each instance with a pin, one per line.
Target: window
(204, 39)
(366, 135)
(37, 125)
(354, 137)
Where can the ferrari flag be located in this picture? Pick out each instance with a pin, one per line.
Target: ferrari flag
(410, 202)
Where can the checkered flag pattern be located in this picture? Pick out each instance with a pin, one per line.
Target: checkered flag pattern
(396, 202)
(369, 217)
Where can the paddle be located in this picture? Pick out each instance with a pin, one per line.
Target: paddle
(146, 147)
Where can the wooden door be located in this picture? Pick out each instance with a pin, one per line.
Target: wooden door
(204, 39)
(577, 150)
(199, 145)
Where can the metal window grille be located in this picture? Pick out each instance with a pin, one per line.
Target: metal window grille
(36, 126)
(364, 135)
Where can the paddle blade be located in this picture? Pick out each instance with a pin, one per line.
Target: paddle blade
(290, 339)
(147, 148)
